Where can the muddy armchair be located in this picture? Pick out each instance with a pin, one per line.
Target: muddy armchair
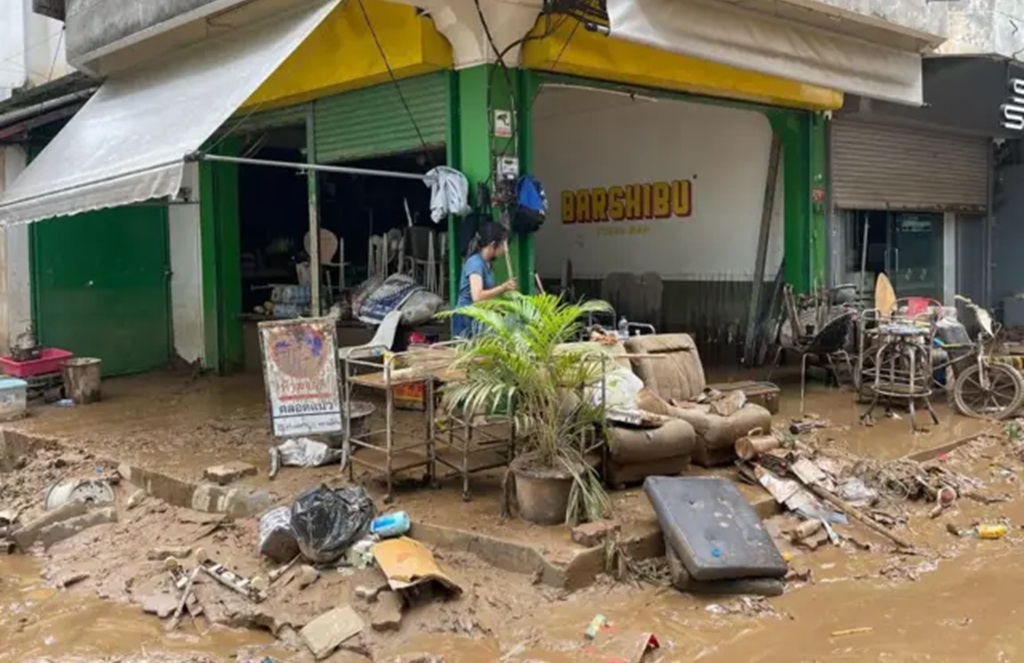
(670, 368)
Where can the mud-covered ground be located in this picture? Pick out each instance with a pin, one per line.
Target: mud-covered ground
(954, 600)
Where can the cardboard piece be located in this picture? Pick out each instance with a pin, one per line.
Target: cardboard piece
(407, 563)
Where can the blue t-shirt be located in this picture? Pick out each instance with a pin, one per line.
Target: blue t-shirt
(475, 264)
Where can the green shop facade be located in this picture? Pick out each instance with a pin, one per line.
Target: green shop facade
(103, 281)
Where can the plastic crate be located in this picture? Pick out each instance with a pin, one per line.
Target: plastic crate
(49, 362)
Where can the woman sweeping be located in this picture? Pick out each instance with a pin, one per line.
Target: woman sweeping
(477, 281)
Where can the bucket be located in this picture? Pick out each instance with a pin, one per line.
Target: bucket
(82, 379)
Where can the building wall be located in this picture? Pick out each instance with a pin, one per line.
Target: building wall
(32, 49)
(183, 228)
(15, 265)
(971, 27)
(93, 24)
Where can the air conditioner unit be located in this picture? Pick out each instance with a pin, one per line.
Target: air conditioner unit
(51, 8)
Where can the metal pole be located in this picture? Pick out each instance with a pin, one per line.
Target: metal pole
(200, 156)
(767, 208)
(314, 214)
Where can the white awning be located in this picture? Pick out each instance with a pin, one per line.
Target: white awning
(759, 41)
(128, 143)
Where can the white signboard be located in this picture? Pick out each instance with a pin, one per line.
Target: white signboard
(300, 369)
(652, 185)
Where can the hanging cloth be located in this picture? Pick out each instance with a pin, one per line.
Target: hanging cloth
(449, 191)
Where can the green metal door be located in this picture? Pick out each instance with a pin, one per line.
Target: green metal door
(374, 121)
(100, 286)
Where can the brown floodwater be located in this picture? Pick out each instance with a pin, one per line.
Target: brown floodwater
(38, 621)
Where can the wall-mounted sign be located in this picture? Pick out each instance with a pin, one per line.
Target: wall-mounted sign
(1013, 110)
(300, 369)
(503, 123)
(630, 202)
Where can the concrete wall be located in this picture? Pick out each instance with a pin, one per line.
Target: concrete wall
(187, 272)
(15, 268)
(971, 27)
(31, 47)
(93, 24)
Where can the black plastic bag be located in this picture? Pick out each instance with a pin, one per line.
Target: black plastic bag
(327, 522)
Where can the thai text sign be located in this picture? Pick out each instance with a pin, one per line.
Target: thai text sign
(300, 370)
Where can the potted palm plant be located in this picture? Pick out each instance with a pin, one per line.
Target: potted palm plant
(521, 357)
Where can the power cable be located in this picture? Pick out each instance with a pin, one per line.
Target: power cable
(394, 80)
(56, 53)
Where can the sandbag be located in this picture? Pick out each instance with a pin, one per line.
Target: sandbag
(327, 522)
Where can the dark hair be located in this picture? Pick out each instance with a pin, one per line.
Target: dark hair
(491, 233)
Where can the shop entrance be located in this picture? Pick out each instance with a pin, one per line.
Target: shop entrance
(370, 227)
(906, 246)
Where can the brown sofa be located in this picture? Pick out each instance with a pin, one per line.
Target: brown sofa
(674, 379)
(637, 453)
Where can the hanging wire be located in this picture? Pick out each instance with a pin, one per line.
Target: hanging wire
(394, 80)
(56, 54)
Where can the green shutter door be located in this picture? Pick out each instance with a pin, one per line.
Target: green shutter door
(374, 122)
(288, 116)
(100, 286)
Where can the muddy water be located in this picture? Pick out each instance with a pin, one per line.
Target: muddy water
(38, 621)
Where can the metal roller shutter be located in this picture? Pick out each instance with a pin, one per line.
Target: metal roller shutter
(374, 122)
(877, 166)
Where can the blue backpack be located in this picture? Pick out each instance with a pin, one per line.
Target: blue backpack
(531, 205)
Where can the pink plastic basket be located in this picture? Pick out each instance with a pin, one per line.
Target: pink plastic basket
(49, 362)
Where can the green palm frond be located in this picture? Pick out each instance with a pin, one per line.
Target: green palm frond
(519, 357)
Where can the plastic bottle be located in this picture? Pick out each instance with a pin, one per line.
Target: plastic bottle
(390, 524)
(992, 531)
(623, 327)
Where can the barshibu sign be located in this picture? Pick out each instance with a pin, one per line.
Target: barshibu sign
(1013, 110)
(631, 202)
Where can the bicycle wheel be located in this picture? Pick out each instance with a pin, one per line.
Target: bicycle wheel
(1000, 399)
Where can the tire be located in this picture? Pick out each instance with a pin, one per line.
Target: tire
(968, 381)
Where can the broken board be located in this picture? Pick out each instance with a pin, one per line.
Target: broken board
(713, 529)
(407, 563)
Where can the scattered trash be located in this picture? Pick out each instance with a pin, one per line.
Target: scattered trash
(360, 555)
(996, 531)
(276, 574)
(307, 576)
(857, 493)
(65, 402)
(594, 627)
(327, 522)
(305, 452)
(73, 579)
(160, 554)
(390, 525)
(407, 563)
(368, 583)
(755, 443)
(852, 631)
(277, 538)
(622, 647)
(325, 633)
(253, 589)
(85, 491)
(229, 472)
(135, 499)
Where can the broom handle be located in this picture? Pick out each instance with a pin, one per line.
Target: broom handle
(508, 262)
